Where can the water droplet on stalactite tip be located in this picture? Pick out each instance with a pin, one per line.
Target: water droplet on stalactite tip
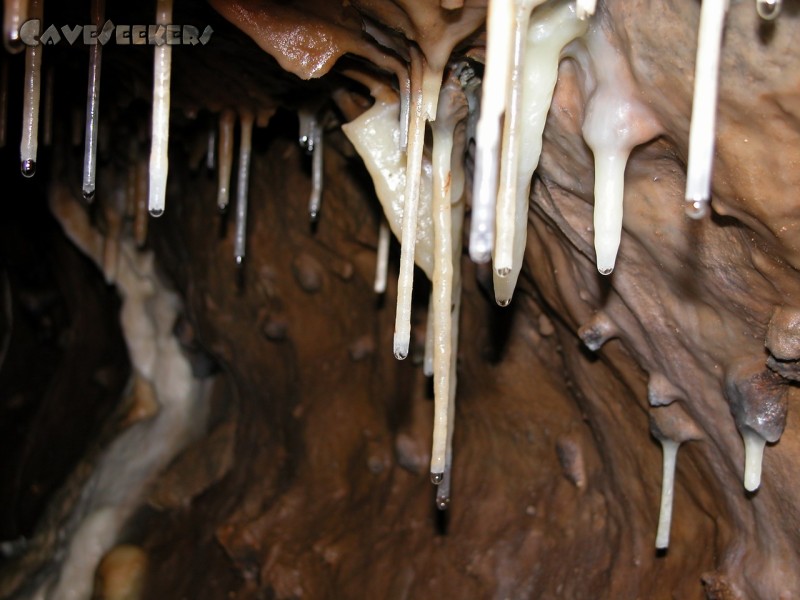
(503, 302)
(605, 270)
(239, 261)
(768, 9)
(442, 501)
(306, 143)
(436, 478)
(28, 168)
(400, 346)
(156, 212)
(313, 216)
(88, 195)
(585, 8)
(696, 209)
(14, 43)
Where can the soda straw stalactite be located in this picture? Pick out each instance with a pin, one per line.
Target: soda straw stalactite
(29, 145)
(159, 149)
(93, 106)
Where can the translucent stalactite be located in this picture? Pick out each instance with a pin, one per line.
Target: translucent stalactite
(669, 450)
(317, 152)
(159, 149)
(704, 107)
(615, 122)
(445, 278)
(506, 200)
(30, 102)
(14, 15)
(227, 121)
(672, 426)
(537, 55)
(242, 184)
(93, 106)
(416, 140)
(585, 8)
(769, 9)
(499, 23)
(382, 258)
(211, 148)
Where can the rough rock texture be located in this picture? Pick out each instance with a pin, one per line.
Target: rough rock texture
(313, 479)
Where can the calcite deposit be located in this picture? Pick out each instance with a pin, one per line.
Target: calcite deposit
(268, 443)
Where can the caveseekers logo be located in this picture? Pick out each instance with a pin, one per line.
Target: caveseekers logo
(123, 35)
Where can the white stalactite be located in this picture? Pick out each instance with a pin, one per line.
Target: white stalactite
(499, 23)
(753, 456)
(15, 13)
(704, 107)
(242, 186)
(549, 29)
(227, 121)
(159, 150)
(382, 258)
(615, 122)
(408, 239)
(211, 148)
(93, 107)
(29, 145)
(669, 450)
(317, 153)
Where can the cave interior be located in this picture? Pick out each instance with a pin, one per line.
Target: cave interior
(208, 403)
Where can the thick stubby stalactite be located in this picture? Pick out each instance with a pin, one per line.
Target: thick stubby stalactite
(282, 449)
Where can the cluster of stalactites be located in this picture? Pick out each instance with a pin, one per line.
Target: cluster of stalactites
(15, 14)
(149, 196)
(399, 169)
(525, 44)
(524, 47)
(424, 204)
(423, 197)
(526, 40)
(219, 155)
